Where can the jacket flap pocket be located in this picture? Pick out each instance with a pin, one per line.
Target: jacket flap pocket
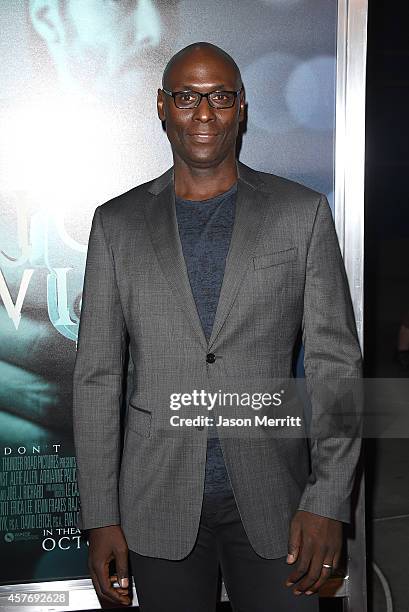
(272, 259)
(139, 420)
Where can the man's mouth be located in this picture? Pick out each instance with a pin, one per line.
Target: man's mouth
(202, 136)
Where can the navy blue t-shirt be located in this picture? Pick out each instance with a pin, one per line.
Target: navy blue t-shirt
(205, 229)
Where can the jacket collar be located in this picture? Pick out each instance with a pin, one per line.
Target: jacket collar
(245, 174)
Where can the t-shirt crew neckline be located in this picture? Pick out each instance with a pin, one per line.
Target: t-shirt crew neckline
(219, 196)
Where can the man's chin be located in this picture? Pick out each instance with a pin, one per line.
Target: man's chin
(204, 161)
(206, 154)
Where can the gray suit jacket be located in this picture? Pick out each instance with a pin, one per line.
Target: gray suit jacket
(284, 272)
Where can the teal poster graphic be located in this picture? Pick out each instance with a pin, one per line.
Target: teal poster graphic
(78, 125)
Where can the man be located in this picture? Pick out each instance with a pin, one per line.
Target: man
(209, 271)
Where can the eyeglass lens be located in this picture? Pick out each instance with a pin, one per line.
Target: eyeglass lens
(218, 99)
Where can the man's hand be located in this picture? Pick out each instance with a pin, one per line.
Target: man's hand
(106, 544)
(313, 540)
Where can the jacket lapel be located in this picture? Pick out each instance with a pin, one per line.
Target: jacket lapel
(250, 212)
(160, 213)
(161, 220)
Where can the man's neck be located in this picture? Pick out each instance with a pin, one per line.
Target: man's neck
(195, 183)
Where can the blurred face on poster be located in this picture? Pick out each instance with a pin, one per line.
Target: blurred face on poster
(108, 47)
(92, 68)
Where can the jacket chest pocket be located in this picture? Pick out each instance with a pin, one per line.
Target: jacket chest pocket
(139, 420)
(273, 259)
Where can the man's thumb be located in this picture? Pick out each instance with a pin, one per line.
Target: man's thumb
(293, 544)
(122, 572)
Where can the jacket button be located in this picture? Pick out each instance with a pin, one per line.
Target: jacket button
(210, 357)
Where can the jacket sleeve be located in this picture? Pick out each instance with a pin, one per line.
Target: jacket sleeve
(333, 371)
(97, 385)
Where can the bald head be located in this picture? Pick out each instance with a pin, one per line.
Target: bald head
(200, 52)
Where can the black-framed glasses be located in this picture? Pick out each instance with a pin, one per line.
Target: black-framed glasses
(192, 99)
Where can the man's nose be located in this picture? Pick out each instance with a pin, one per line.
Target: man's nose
(203, 112)
(147, 24)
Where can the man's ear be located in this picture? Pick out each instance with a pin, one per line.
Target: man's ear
(242, 104)
(45, 16)
(160, 103)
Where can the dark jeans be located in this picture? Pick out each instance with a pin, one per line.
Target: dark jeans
(254, 584)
